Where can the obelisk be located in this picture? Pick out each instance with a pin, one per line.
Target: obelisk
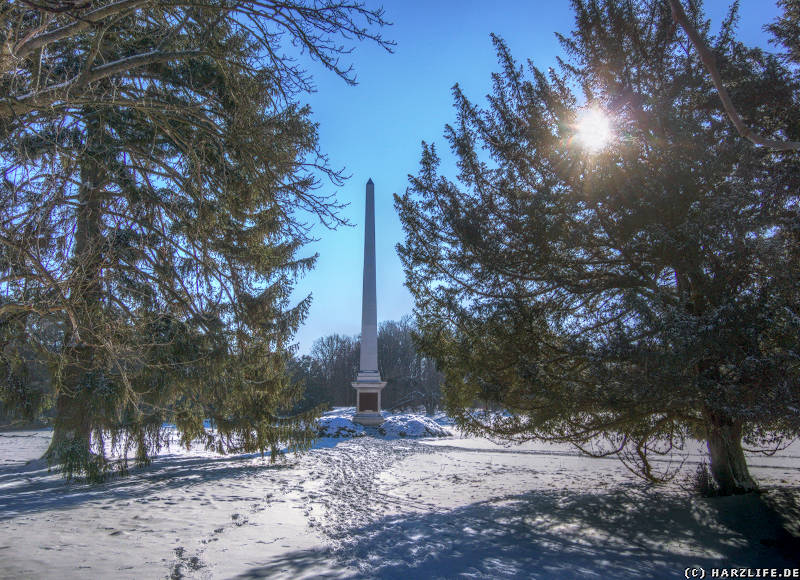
(368, 384)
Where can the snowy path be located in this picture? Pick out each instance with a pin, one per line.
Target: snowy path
(371, 507)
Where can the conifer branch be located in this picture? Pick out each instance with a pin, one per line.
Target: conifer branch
(680, 17)
(50, 96)
(28, 45)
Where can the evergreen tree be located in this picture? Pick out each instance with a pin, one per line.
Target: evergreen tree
(307, 373)
(626, 298)
(782, 29)
(786, 30)
(157, 179)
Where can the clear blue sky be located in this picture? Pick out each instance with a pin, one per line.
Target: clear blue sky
(375, 128)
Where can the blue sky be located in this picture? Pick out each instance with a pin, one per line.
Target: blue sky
(375, 129)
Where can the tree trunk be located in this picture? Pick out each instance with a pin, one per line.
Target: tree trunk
(72, 432)
(70, 447)
(728, 464)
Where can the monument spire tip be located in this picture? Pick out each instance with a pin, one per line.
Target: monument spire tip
(370, 181)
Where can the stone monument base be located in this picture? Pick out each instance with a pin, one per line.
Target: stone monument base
(368, 388)
(368, 419)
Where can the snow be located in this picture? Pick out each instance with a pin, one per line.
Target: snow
(412, 426)
(338, 423)
(386, 506)
(338, 426)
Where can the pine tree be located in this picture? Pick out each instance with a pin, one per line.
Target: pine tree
(628, 298)
(786, 30)
(158, 175)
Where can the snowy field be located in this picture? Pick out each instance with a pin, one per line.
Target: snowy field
(392, 504)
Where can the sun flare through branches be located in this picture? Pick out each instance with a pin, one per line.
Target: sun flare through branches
(593, 129)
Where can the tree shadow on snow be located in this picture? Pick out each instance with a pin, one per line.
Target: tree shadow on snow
(32, 488)
(629, 532)
(302, 564)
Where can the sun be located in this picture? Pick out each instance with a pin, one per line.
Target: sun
(593, 129)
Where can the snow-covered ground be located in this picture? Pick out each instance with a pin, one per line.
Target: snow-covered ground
(385, 505)
(338, 423)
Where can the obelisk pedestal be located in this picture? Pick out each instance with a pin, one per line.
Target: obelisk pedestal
(368, 383)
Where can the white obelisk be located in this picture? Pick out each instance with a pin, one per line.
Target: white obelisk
(368, 384)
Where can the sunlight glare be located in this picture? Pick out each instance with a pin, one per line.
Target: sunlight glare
(593, 129)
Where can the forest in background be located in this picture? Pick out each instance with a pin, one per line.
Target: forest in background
(412, 380)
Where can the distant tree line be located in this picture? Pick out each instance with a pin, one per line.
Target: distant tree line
(327, 371)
